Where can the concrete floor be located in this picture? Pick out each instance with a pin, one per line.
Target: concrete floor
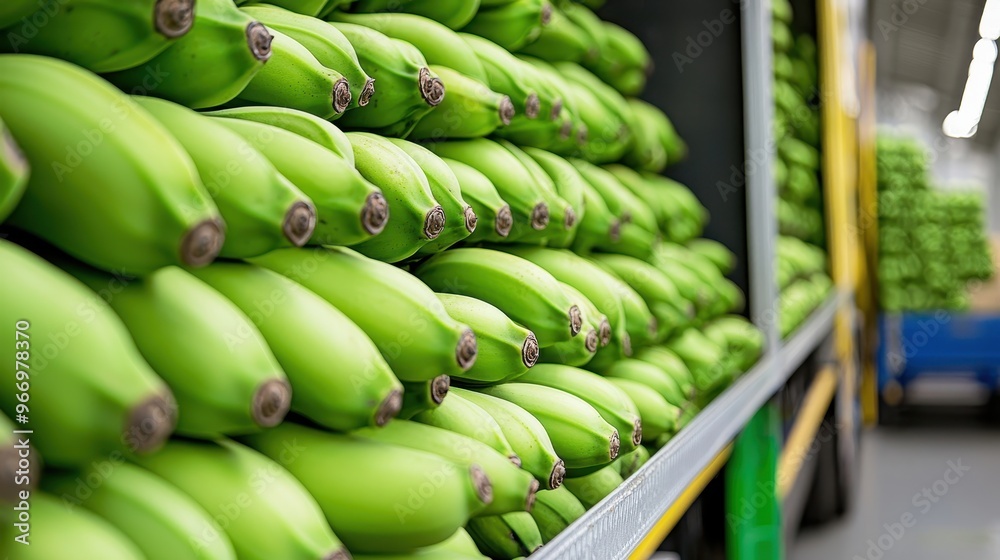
(928, 491)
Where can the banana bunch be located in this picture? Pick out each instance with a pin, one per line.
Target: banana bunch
(417, 217)
(454, 14)
(658, 416)
(14, 172)
(245, 491)
(470, 110)
(511, 25)
(514, 489)
(651, 376)
(505, 350)
(421, 498)
(507, 74)
(581, 349)
(94, 191)
(494, 218)
(421, 344)
(208, 66)
(623, 61)
(102, 36)
(526, 436)
(307, 126)
(555, 510)
(341, 382)
(262, 209)
(171, 309)
(561, 39)
(456, 414)
(523, 291)
(569, 185)
(692, 216)
(506, 537)
(671, 363)
(740, 340)
(405, 88)
(705, 361)
(325, 42)
(92, 394)
(58, 531)
(162, 521)
(349, 208)
(562, 215)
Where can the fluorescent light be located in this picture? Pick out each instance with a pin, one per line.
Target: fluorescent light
(964, 122)
(989, 26)
(985, 49)
(956, 126)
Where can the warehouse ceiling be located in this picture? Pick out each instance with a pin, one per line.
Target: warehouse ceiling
(929, 43)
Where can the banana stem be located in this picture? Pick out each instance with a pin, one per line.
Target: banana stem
(532, 494)
(300, 221)
(202, 243)
(615, 445)
(627, 344)
(546, 14)
(529, 350)
(434, 222)
(391, 405)
(637, 431)
(591, 341)
(532, 105)
(173, 18)
(482, 484)
(341, 95)
(375, 213)
(259, 41)
(575, 320)
(565, 130)
(271, 403)
(466, 350)
(504, 221)
(540, 216)
(582, 135)
(605, 332)
(366, 93)
(440, 386)
(652, 327)
(557, 475)
(615, 231)
(339, 554)
(507, 110)
(471, 220)
(516, 460)
(151, 423)
(431, 88)
(570, 219)
(557, 107)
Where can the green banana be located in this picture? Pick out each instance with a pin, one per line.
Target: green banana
(660, 202)
(14, 172)
(102, 36)
(262, 209)
(512, 25)
(435, 552)
(419, 396)
(458, 415)
(526, 436)
(539, 133)
(705, 361)
(606, 137)
(306, 125)
(163, 522)
(569, 184)
(470, 110)
(92, 393)
(341, 382)
(417, 217)
(405, 88)
(554, 511)
(512, 180)
(670, 309)
(57, 531)
(562, 215)
(170, 309)
(430, 343)
(440, 45)
(505, 350)
(580, 436)
(577, 351)
(647, 152)
(142, 213)
(522, 290)
(460, 218)
(590, 489)
(669, 362)
(621, 201)
(245, 491)
(609, 401)
(330, 47)
(624, 61)
(612, 100)
(598, 320)
(590, 25)
(506, 537)
(633, 241)
(561, 39)
(455, 14)
(461, 542)
(513, 488)
(651, 376)
(658, 416)
(482, 196)
(208, 66)
(598, 225)
(738, 338)
(507, 74)
(628, 464)
(694, 214)
(719, 254)
(311, 8)
(423, 498)
(14, 11)
(294, 78)
(349, 208)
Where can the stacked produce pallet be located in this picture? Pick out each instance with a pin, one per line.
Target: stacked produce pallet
(442, 327)
(932, 243)
(797, 169)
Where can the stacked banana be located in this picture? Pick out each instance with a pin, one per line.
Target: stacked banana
(444, 327)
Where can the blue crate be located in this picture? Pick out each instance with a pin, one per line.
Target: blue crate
(912, 345)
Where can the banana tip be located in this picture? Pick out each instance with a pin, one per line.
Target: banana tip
(339, 554)
(540, 216)
(440, 386)
(471, 220)
(529, 350)
(570, 219)
(582, 135)
(591, 341)
(390, 407)
(546, 15)
(615, 231)
(615, 445)
(173, 18)
(532, 106)
(259, 40)
(504, 221)
(637, 431)
(202, 243)
(300, 221)
(366, 93)
(557, 107)
(466, 350)
(151, 423)
(557, 475)
(482, 484)
(506, 110)
(271, 402)
(605, 332)
(652, 327)
(575, 320)
(566, 130)
(516, 460)
(434, 222)
(627, 344)
(431, 88)
(341, 95)
(375, 213)
(532, 494)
